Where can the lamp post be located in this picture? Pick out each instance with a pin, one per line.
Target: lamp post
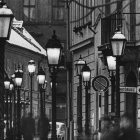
(118, 42)
(79, 65)
(41, 80)
(44, 88)
(6, 17)
(111, 63)
(86, 75)
(18, 82)
(53, 49)
(11, 95)
(7, 86)
(14, 104)
(31, 69)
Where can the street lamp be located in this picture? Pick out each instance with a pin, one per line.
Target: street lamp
(86, 75)
(6, 17)
(118, 42)
(111, 63)
(79, 65)
(7, 86)
(18, 82)
(41, 80)
(53, 49)
(31, 69)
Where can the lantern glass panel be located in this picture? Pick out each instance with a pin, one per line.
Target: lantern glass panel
(6, 17)
(18, 81)
(111, 62)
(5, 25)
(11, 86)
(53, 55)
(117, 47)
(31, 68)
(86, 76)
(41, 79)
(7, 84)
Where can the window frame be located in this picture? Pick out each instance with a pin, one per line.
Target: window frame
(29, 6)
(57, 6)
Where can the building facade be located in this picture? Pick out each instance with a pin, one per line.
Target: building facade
(92, 23)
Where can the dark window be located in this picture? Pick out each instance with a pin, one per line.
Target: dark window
(29, 10)
(58, 10)
(108, 28)
(107, 8)
(119, 16)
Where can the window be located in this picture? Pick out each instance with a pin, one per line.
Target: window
(58, 10)
(29, 10)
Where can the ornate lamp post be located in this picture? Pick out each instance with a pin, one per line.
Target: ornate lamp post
(18, 82)
(41, 80)
(6, 17)
(31, 69)
(118, 42)
(79, 65)
(7, 86)
(53, 49)
(86, 75)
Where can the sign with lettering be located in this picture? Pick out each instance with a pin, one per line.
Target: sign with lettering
(128, 89)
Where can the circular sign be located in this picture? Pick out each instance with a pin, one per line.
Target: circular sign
(100, 83)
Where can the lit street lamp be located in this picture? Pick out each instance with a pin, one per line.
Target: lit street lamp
(118, 42)
(41, 81)
(6, 17)
(31, 69)
(53, 49)
(86, 75)
(18, 82)
(79, 65)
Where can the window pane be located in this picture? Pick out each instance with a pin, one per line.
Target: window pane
(32, 14)
(61, 14)
(55, 13)
(32, 2)
(26, 2)
(26, 14)
(58, 9)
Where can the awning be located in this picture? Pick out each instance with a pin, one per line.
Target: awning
(25, 40)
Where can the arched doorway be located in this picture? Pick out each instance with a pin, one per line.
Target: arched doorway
(131, 101)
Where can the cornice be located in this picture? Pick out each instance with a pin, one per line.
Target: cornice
(82, 44)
